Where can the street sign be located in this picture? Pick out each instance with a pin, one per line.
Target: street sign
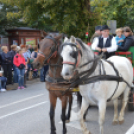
(112, 24)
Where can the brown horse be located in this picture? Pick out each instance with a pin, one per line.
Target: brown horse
(55, 84)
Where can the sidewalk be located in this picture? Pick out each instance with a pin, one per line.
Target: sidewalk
(15, 85)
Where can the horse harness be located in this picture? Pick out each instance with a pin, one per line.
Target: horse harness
(83, 77)
(54, 52)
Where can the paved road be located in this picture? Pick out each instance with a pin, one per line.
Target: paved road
(27, 112)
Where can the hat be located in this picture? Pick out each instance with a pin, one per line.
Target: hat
(105, 27)
(1, 72)
(97, 28)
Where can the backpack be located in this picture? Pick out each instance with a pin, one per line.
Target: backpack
(35, 54)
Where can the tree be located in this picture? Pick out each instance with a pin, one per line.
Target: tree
(120, 10)
(6, 21)
(67, 16)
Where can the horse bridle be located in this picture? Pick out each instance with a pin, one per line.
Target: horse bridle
(78, 54)
(54, 50)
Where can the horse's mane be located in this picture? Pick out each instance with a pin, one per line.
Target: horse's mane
(81, 43)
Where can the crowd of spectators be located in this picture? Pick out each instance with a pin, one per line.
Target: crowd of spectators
(16, 68)
(103, 41)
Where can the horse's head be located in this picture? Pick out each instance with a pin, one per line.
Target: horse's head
(71, 54)
(48, 48)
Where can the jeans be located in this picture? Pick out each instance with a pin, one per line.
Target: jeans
(45, 70)
(8, 72)
(15, 75)
(29, 67)
(3, 81)
(42, 78)
(20, 73)
(35, 74)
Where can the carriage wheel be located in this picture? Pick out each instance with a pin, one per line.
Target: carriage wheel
(131, 101)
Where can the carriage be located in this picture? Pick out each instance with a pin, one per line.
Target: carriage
(130, 55)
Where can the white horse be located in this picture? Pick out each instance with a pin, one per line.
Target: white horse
(99, 91)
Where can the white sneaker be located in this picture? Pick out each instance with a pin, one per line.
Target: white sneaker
(3, 90)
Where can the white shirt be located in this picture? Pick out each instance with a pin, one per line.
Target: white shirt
(112, 48)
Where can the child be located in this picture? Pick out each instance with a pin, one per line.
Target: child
(19, 62)
(3, 81)
(119, 36)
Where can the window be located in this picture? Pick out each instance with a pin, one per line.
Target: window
(30, 41)
(22, 41)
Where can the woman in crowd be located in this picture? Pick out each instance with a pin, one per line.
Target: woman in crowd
(19, 62)
(34, 56)
(6, 62)
(13, 53)
(128, 41)
(27, 55)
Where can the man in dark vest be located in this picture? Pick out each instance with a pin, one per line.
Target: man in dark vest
(105, 43)
(96, 34)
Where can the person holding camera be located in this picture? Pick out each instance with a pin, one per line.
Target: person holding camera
(19, 62)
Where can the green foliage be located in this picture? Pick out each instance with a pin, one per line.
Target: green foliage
(66, 16)
(8, 20)
(120, 10)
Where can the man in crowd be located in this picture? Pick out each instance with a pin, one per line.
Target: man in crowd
(13, 53)
(30, 48)
(105, 43)
(6, 63)
(96, 34)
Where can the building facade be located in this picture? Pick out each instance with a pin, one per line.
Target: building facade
(24, 35)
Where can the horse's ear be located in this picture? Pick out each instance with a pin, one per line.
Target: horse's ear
(66, 39)
(58, 37)
(73, 39)
(43, 34)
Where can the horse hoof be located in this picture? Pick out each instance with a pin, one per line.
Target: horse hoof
(67, 121)
(53, 132)
(85, 120)
(121, 122)
(115, 122)
(87, 133)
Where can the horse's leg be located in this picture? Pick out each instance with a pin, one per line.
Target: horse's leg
(69, 109)
(85, 114)
(115, 120)
(63, 116)
(102, 111)
(79, 100)
(124, 103)
(53, 100)
(84, 107)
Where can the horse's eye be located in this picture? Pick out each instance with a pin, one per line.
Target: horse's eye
(73, 54)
